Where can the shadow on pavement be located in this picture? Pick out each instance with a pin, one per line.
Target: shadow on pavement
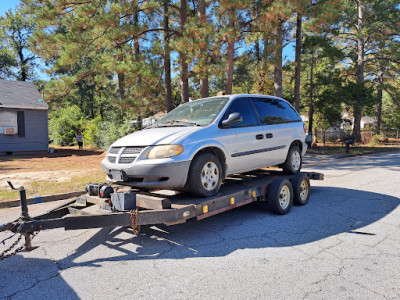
(32, 278)
(331, 211)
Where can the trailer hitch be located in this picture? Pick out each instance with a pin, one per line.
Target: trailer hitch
(24, 204)
(17, 225)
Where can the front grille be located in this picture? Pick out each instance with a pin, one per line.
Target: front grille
(133, 150)
(112, 159)
(127, 160)
(115, 150)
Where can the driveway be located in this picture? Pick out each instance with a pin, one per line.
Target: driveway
(344, 244)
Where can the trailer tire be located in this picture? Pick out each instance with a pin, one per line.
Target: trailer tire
(205, 175)
(280, 196)
(293, 162)
(301, 189)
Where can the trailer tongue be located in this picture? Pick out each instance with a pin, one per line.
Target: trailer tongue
(270, 188)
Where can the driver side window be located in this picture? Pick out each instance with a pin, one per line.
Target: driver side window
(244, 106)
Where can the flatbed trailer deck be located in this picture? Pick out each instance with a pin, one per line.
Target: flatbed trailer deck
(272, 189)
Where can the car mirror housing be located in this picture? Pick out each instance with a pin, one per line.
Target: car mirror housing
(233, 118)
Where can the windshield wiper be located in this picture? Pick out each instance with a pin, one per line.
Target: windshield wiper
(175, 123)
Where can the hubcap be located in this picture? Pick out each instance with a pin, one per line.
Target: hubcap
(296, 160)
(303, 190)
(209, 176)
(284, 197)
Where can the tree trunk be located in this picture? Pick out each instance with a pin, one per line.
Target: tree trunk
(257, 50)
(92, 101)
(137, 58)
(357, 109)
(22, 72)
(297, 62)
(231, 54)
(183, 59)
(229, 71)
(378, 108)
(204, 89)
(257, 42)
(167, 59)
(278, 92)
(311, 106)
(121, 88)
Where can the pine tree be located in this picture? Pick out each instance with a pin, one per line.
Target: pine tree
(16, 28)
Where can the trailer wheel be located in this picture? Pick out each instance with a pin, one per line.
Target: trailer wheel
(280, 196)
(293, 162)
(301, 189)
(205, 175)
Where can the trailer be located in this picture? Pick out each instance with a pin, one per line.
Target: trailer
(128, 207)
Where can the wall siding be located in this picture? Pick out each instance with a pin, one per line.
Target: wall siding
(36, 134)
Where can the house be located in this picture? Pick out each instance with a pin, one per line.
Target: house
(23, 118)
(367, 123)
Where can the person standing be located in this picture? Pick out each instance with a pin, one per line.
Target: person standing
(79, 139)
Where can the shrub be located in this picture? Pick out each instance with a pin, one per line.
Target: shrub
(102, 134)
(64, 124)
(375, 140)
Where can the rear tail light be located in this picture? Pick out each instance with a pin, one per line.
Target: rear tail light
(305, 129)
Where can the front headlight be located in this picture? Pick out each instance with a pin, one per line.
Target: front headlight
(165, 151)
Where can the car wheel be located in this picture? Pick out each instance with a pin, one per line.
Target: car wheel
(301, 189)
(293, 162)
(205, 175)
(280, 196)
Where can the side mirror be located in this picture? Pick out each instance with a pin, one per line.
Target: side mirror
(233, 118)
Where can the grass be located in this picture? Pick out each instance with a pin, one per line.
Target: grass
(50, 187)
(43, 174)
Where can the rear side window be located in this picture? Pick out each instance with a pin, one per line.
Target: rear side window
(246, 110)
(290, 114)
(271, 111)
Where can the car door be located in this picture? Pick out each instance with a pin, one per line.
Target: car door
(277, 132)
(245, 139)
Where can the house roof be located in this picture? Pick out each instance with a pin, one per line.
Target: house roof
(20, 95)
(367, 120)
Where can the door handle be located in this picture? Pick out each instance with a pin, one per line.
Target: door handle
(269, 135)
(259, 136)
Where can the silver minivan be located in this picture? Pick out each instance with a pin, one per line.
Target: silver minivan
(196, 145)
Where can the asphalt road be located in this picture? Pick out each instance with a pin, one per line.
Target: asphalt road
(344, 244)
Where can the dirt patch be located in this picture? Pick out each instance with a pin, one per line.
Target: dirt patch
(65, 170)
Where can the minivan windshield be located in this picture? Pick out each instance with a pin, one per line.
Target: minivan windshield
(195, 113)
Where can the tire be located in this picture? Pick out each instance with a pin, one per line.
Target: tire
(301, 189)
(280, 196)
(205, 175)
(293, 162)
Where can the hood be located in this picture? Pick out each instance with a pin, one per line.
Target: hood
(154, 136)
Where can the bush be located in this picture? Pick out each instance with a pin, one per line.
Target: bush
(375, 140)
(64, 124)
(102, 134)
(93, 132)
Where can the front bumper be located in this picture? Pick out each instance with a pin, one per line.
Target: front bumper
(151, 176)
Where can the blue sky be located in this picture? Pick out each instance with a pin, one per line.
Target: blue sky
(6, 5)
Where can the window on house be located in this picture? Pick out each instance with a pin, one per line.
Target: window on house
(8, 122)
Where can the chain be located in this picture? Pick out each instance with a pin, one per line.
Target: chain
(3, 255)
(135, 221)
(10, 237)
